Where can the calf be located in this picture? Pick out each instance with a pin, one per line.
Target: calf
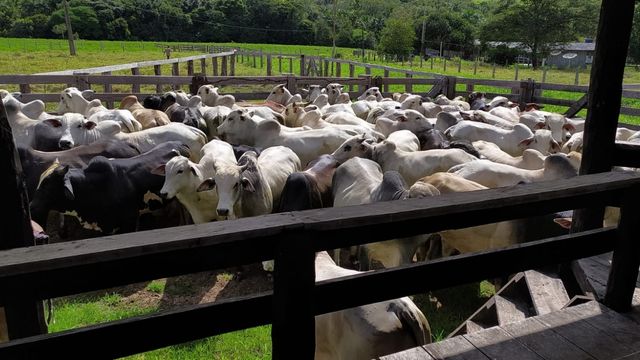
(411, 120)
(530, 159)
(210, 97)
(281, 95)
(414, 102)
(108, 194)
(311, 188)
(147, 117)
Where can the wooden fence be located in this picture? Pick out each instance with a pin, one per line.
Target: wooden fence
(41, 272)
(522, 92)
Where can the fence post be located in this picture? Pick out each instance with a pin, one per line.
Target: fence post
(203, 66)
(385, 87)
(223, 69)
(291, 65)
(366, 83)
(367, 70)
(544, 74)
(232, 65)
(81, 81)
(626, 255)
(577, 80)
(451, 83)
(445, 64)
(293, 284)
(175, 71)
(432, 63)
(493, 71)
(326, 67)
(261, 60)
(292, 83)
(157, 70)
(108, 89)
(214, 61)
(254, 61)
(459, 64)
(516, 67)
(269, 73)
(135, 87)
(279, 64)
(24, 316)
(526, 93)
(408, 87)
(475, 67)
(302, 65)
(190, 67)
(196, 82)
(338, 69)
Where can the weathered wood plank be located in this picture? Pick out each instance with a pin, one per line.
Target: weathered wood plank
(498, 344)
(417, 353)
(496, 83)
(577, 106)
(626, 256)
(508, 311)
(574, 326)
(544, 341)
(622, 329)
(195, 322)
(591, 276)
(547, 292)
(627, 154)
(456, 348)
(552, 101)
(564, 87)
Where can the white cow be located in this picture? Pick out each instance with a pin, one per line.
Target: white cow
(308, 145)
(78, 131)
(33, 109)
(417, 164)
(512, 141)
(411, 120)
(182, 178)
(312, 117)
(428, 109)
(530, 159)
(73, 100)
(367, 331)
(494, 175)
(281, 95)
(210, 97)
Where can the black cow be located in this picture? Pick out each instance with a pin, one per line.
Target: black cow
(35, 162)
(311, 188)
(435, 139)
(108, 194)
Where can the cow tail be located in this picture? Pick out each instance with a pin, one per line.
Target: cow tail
(412, 320)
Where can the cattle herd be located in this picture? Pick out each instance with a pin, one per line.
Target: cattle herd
(199, 158)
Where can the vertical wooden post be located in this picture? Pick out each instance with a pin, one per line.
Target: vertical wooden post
(408, 87)
(544, 74)
(432, 63)
(338, 69)
(475, 67)
(626, 255)
(459, 64)
(108, 89)
(326, 67)
(24, 316)
(577, 80)
(292, 83)
(232, 64)
(365, 84)
(261, 60)
(605, 93)
(470, 87)
(157, 70)
(254, 60)
(291, 65)
(452, 81)
(25, 88)
(302, 65)
(352, 71)
(279, 64)
(175, 71)
(135, 87)
(516, 67)
(223, 69)
(190, 67)
(445, 64)
(203, 66)
(385, 86)
(367, 70)
(293, 283)
(269, 73)
(214, 62)
(526, 93)
(493, 71)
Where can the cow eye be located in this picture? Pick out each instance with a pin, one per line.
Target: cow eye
(179, 172)
(347, 148)
(236, 185)
(79, 126)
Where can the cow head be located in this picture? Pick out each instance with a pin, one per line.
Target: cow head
(54, 192)
(180, 175)
(238, 127)
(356, 146)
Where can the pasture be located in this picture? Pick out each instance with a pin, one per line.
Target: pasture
(444, 309)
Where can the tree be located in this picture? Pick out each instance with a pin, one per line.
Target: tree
(398, 35)
(634, 43)
(59, 29)
(83, 20)
(536, 24)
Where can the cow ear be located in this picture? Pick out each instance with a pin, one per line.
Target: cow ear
(269, 125)
(247, 185)
(89, 125)
(206, 185)
(402, 118)
(53, 122)
(207, 90)
(565, 223)
(68, 188)
(539, 125)
(526, 142)
(87, 94)
(569, 127)
(160, 170)
(193, 171)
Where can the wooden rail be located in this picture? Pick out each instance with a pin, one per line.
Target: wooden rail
(68, 268)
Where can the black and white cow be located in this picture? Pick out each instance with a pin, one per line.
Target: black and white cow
(107, 195)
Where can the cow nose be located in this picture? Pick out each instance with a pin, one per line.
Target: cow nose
(65, 144)
(223, 212)
(163, 195)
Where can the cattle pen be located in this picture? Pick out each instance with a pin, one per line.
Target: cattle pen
(30, 274)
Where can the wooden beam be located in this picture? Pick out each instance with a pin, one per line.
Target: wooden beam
(627, 154)
(605, 90)
(135, 87)
(24, 316)
(577, 106)
(157, 70)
